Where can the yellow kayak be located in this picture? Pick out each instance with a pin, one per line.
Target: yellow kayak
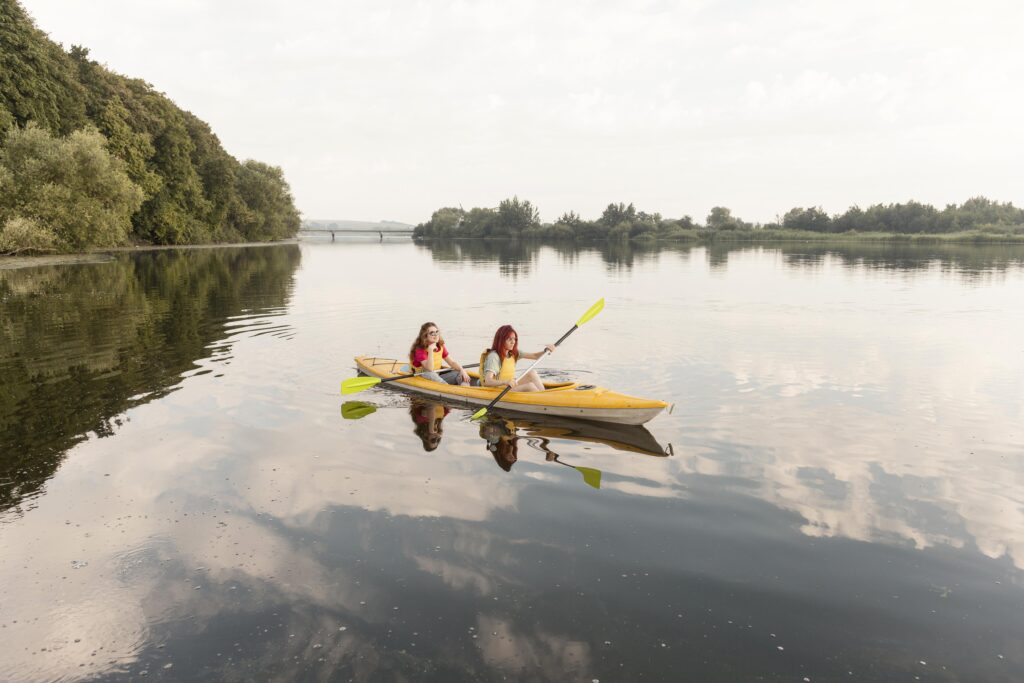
(563, 399)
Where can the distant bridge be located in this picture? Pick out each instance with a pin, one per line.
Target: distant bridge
(357, 231)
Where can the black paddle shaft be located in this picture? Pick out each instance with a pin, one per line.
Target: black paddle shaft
(571, 330)
(443, 372)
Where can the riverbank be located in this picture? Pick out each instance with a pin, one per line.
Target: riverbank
(754, 236)
(764, 235)
(774, 235)
(105, 255)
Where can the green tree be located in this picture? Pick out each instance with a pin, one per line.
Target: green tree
(813, 219)
(979, 212)
(478, 222)
(721, 218)
(687, 223)
(6, 119)
(853, 219)
(568, 226)
(645, 225)
(37, 80)
(70, 188)
(515, 216)
(443, 223)
(616, 214)
(269, 210)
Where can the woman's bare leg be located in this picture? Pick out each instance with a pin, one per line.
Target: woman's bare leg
(530, 382)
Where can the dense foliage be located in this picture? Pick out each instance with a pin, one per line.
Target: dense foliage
(62, 194)
(977, 219)
(176, 183)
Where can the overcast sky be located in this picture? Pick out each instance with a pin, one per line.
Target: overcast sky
(388, 109)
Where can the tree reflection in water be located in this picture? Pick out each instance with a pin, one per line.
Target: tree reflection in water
(82, 344)
(517, 258)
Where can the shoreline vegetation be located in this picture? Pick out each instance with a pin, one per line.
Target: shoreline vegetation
(91, 159)
(977, 221)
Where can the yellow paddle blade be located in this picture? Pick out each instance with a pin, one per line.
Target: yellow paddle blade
(354, 384)
(478, 414)
(591, 312)
(353, 410)
(591, 476)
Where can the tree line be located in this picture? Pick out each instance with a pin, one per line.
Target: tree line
(519, 218)
(90, 158)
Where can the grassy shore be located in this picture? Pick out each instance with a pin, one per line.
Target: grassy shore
(1015, 236)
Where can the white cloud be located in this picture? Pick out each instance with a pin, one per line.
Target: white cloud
(758, 106)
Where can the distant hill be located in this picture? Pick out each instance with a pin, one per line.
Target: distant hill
(338, 224)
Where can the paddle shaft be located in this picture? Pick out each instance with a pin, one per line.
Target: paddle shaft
(356, 384)
(417, 374)
(546, 352)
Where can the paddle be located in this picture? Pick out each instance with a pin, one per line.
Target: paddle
(355, 384)
(590, 475)
(591, 312)
(354, 410)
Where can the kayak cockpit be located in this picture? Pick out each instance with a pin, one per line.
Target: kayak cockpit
(548, 386)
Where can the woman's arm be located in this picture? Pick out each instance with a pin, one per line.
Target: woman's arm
(534, 356)
(489, 380)
(428, 363)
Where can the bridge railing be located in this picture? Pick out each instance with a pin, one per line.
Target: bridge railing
(338, 232)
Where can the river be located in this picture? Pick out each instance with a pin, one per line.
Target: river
(836, 493)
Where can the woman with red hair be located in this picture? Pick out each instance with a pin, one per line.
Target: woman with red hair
(498, 363)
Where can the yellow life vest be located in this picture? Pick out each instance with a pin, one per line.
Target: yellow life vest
(508, 367)
(437, 363)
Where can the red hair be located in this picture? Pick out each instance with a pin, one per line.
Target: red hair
(498, 345)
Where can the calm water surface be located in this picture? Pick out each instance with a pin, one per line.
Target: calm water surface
(837, 494)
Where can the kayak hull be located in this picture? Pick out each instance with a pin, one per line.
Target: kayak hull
(562, 399)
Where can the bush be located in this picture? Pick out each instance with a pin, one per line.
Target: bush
(21, 235)
(72, 186)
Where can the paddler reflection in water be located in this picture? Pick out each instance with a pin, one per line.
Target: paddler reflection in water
(498, 363)
(427, 418)
(428, 353)
(501, 439)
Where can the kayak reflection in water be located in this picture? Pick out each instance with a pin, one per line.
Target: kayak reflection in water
(427, 418)
(501, 439)
(498, 363)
